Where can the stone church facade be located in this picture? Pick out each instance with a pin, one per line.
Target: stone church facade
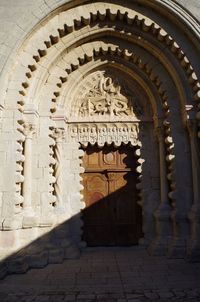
(85, 85)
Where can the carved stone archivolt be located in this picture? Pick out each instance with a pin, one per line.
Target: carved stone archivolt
(105, 97)
(100, 133)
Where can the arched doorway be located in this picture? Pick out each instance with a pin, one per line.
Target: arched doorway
(112, 215)
(109, 110)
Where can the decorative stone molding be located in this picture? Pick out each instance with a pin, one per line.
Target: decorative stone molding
(165, 212)
(171, 176)
(170, 157)
(162, 214)
(139, 184)
(59, 135)
(146, 25)
(163, 168)
(20, 158)
(181, 14)
(15, 221)
(19, 199)
(52, 179)
(140, 188)
(102, 133)
(95, 51)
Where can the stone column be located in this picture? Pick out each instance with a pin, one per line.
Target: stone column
(194, 214)
(61, 237)
(162, 214)
(29, 130)
(58, 134)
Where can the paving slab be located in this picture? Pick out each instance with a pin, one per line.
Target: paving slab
(107, 274)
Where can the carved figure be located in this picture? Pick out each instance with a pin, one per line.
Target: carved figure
(106, 99)
(101, 133)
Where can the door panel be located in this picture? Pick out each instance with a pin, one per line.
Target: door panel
(98, 229)
(111, 216)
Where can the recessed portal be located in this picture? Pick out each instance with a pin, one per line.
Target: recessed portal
(112, 216)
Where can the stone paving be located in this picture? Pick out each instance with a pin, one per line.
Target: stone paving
(107, 275)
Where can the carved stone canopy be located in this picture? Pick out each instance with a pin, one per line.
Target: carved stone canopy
(105, 97)
(102, 133)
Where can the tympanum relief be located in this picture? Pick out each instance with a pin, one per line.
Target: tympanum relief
(105, 110)
(104, 97)
(106, 100)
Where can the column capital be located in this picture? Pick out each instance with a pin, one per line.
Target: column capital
(29, 129)
(58, 134)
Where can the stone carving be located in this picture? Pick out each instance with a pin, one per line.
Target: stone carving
(58, 134)
(29, 130)
(104, 133)
(19, 175)
(52, 179)
(15, 222)
(106, 99)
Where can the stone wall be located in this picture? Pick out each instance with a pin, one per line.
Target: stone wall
(18, 19)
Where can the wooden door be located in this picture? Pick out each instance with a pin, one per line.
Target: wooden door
(112, 216)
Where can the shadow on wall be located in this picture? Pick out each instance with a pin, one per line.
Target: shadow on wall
(107, 222)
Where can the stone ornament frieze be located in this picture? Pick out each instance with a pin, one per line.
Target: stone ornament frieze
(104, 97)
(104, 133)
